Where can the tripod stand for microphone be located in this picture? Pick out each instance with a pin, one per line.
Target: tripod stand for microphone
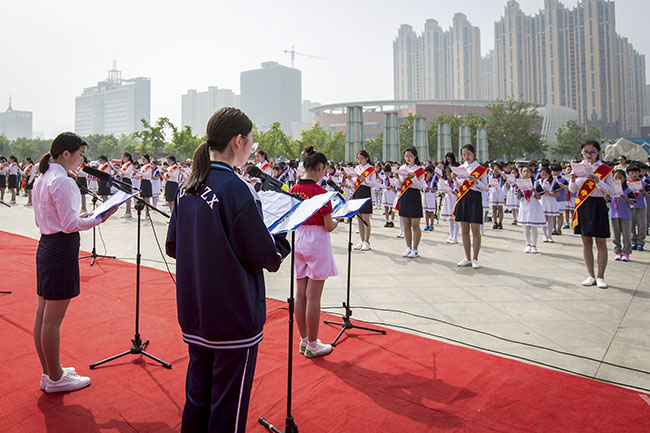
(137, 346)
(94, 254)
(347, 324)
(5, 203)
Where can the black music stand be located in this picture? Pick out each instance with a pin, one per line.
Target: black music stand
(137, 346)
(347, 324)
(290, 424)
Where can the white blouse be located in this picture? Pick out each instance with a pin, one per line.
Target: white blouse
(57, 202)
(480, 185)
(417, 183)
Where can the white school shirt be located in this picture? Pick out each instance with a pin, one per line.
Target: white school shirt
(269, 167)
(4, 169)
(57, 202)
(603, 188)
(173, 173)
(32, 172)
(371, 180)
(146, 171)
(479, 184)
(13, 168)
(126, 170)
(417, 183)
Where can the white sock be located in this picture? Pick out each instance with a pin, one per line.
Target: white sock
(533, 236)
(527, 231)
(304, 341)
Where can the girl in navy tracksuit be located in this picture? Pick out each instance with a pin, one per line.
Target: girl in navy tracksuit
(221, 246)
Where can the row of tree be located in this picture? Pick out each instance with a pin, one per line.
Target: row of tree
(512, 130)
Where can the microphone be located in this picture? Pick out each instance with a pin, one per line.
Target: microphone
(269, 182)
(97, 173)
(333, 184)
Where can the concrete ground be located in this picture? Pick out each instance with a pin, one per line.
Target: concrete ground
(533, 299)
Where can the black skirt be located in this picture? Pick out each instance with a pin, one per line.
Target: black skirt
(104, 187)
(57, 266)
(593, 218)
(410, 204)
(470, 208)
(127, 180)
(364, 192)
(145, 188)
(29, 185)
(171, 188)
(13, 181)
(3, 181)
(83, 184)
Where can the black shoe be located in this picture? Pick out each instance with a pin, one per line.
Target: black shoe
(387, 224)
(495, 226)
(392, 224)
(500, 226)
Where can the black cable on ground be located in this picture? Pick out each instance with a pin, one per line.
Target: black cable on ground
(485, 349)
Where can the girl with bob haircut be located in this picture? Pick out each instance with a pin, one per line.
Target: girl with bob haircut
(314, 261)
(221, 245)
(57, 203)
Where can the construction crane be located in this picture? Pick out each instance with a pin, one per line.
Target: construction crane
(294, 53)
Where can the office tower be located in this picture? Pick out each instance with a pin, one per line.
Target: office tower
(198, 107)
(16, 124)
(114, 106)
(272, 93)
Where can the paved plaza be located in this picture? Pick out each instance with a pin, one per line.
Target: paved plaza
(534, 299)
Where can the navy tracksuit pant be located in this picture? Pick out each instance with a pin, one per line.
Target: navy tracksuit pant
(218, 389)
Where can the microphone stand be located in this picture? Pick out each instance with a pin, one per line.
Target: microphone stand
(93, 254)
(5, 203)
(290, 424)
(137, 346)
(347, 324)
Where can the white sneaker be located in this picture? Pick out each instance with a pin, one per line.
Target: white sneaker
(303, 345)
(454, 241)
(448, 240)
(317, 349)
(533, 249)
(550, 240)
(475, 264)
(44, 376)
(600, 282)
(414, 254)
(464, 263)
(126, 215)
(359, 245)
(400, 235)
(590, 281)
(365, 246)
(407, 253)
(70, 381)
(527, 250)
(545, 239)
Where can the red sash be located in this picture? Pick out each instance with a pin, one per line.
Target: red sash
(588, 187)
(363, 176)
(407, 183)
(26, 176)
(266, 166)
(477, 173)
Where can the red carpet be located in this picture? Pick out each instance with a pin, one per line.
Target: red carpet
(393, 383)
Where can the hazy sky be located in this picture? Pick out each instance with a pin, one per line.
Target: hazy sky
(51, 50)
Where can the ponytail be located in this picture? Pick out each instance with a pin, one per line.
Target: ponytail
(44, 163)
(200, 169)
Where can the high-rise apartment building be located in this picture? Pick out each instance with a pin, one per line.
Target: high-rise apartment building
(115, 106)
(271, 94)
(16, 124)
(572, 58)
(198, 107)
(438, 64)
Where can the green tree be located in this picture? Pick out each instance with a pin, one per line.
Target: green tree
(153, 136)
(511, 130)
(4, 144)
(184, 142)
(374, 147)
(569, 139)
(128, 143)
(335, 147)
(316, 136)
(108, 146)
(30, 147)
(406, 133)
(277, 144)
